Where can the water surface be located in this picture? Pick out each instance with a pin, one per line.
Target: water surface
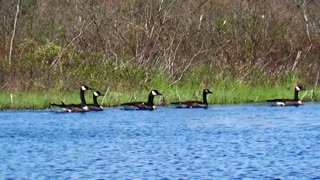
(230, 142)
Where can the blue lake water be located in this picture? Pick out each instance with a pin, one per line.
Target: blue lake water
(221, 142)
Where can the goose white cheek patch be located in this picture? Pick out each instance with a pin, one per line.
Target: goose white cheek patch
(154, 93)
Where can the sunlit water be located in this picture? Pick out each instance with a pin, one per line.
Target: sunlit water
(221, 142)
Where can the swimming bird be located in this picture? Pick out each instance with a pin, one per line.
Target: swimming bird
(288, 102)
(95, 106)
(73, 107)
(142, 105)
(194, 104)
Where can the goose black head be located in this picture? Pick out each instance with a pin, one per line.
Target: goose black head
(155, 92)
(299, 88)
(97, 93)
(85, 88)
(207, 91)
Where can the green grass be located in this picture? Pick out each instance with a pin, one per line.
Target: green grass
(222, 94)
(240, 94)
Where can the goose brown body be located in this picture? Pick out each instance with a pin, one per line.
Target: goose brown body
(149, 105)
(288, 102)
(194, 104)
(95, 106)
(73, 107)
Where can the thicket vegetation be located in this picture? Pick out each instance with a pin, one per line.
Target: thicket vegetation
(126, 44)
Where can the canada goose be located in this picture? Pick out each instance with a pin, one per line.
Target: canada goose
(73, 107)
(95, 106)
(142, 105)
(194, 104)
(288, 102)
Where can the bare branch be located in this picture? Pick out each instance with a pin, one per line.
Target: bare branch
(14, 31)
(187, 67)
(58, 57)
(296, 60)
(305, 17)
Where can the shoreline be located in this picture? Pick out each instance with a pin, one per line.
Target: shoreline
(157, 106)
(36, 100)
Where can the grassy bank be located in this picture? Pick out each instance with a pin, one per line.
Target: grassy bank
(221, 95)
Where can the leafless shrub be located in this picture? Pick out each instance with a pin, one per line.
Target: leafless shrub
(247, 39)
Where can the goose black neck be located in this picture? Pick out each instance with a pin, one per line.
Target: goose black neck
(204, 95)
(83, 100)
(150, 99)
(296, 95)
(95, 100)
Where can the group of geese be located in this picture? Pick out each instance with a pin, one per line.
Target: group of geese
(149, 105)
